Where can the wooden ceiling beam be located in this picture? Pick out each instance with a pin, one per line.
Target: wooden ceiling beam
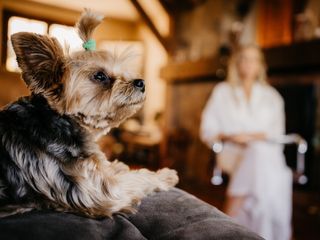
(150, 24)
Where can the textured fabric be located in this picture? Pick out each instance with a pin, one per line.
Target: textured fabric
(267, 185)
(164, 215)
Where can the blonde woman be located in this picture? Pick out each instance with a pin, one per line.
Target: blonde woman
(245, 112)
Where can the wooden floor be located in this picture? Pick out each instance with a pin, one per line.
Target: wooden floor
(306, 207)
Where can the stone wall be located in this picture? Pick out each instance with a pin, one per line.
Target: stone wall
(185, 103)
(199, 33)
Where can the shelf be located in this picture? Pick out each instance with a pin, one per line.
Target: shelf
(301, 58)
(190, 71)
(297, 57)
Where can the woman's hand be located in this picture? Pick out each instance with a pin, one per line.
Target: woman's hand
(242, 139)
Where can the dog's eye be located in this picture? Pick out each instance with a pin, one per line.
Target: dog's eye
(103, 78)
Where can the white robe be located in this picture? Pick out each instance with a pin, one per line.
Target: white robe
(260, 173)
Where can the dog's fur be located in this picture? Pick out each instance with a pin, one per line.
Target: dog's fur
(49, 157)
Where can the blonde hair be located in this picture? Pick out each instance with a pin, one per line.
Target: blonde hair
(233, 74)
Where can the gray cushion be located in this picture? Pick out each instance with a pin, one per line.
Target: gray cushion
(165, 215)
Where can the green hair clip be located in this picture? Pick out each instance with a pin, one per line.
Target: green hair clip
(89, 45)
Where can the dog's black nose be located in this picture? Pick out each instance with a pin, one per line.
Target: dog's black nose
(139, 84)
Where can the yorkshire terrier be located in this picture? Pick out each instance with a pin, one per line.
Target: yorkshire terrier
(49, 158)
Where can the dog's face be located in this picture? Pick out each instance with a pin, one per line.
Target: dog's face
(94, 86)
(99, 87)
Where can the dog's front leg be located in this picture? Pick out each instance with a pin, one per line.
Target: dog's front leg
(134, 185)
(104, 188)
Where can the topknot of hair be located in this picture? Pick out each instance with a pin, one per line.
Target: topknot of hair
(87, 24)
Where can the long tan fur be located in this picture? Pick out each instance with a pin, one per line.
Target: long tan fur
(87, 24)
(98, 187)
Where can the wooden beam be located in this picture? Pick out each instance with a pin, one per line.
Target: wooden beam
(166, 6)
(150, 24)
(298, 57)
(287, 62)
(175, 6)
(189, 71)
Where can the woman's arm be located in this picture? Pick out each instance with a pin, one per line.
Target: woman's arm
(274, 129)
(242, 138)
(210, 127)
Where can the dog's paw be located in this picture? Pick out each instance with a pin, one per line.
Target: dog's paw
(168, 176)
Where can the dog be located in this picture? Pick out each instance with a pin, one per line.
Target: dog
(49, 158)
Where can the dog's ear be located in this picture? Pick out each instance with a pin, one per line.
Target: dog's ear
(40, 58)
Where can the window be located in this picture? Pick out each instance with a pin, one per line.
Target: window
(65, 34)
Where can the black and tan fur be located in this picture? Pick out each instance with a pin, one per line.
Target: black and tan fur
(49, 157)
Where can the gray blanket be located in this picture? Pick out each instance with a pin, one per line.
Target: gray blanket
(164, 215)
